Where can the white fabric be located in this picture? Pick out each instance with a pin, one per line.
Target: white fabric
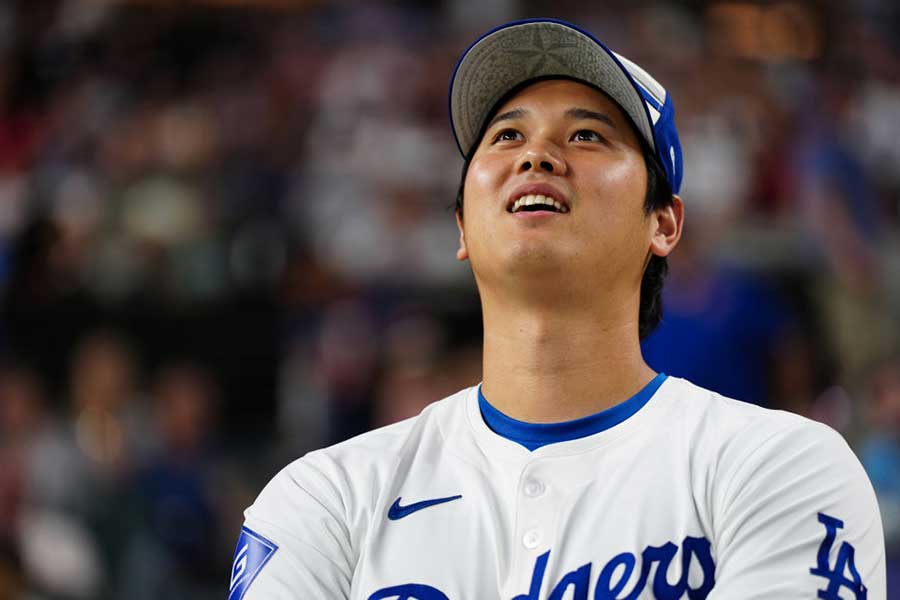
(644, 79)
(689, 465)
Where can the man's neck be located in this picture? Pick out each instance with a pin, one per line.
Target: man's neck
(545, 366)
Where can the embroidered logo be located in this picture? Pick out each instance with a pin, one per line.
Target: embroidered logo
(409, 591)
(253, 551)
(397, 512)
(661, 561)
(837, 576)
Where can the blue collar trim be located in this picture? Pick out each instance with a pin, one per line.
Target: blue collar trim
(535, 435)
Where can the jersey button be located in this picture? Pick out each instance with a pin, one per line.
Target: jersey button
(531, 539)
(533, 488)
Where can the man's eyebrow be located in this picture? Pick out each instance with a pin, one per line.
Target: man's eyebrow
(572, 113)
(585, 113)
(516, 113)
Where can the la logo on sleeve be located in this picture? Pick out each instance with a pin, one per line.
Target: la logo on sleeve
(844, 574)
(252, 553)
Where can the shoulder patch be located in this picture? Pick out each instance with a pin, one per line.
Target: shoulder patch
(252, 553)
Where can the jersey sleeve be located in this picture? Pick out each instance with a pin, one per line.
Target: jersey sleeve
(295, 542)
(798, 519)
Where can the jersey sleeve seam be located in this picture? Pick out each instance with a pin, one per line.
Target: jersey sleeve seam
(338, 492)
(335, 516)
(304, 543)
(744, 461)
(377, 493)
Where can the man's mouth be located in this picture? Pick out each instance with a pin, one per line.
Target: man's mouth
(537, 202)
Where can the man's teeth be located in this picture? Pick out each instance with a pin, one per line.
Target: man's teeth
(538, 199)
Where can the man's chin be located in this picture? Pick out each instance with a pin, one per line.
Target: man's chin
(538, 258)
(537, 270)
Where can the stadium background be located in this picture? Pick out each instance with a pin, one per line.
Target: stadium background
(226, 239)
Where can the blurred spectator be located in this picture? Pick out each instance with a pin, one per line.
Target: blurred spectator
(841, 215)
(880, 450)
(109, 419)
(345, 366)
(175, 549)
(880, 455)
(71, 533)
(412, 347)
(22, 406)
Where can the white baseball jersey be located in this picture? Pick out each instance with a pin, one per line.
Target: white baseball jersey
(679, 493)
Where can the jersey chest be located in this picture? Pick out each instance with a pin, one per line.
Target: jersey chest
(610, 525)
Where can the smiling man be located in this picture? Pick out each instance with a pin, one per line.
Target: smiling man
(573, 471)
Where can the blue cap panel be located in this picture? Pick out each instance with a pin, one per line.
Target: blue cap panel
(667, 145)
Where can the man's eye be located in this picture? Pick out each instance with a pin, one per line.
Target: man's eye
(586, 135)
(508, 135)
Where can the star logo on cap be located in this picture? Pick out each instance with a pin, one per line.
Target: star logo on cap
(543, 52)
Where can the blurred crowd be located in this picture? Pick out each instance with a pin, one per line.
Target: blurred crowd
(226, 238)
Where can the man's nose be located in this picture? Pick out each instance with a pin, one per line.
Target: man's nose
(541, 157)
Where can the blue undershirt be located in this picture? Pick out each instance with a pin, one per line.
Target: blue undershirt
(535, 435)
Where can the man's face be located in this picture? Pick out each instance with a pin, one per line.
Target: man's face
(568, 141)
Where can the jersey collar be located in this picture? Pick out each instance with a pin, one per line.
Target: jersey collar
(535, 435)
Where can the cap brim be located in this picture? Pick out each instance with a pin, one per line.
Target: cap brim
(515, 53)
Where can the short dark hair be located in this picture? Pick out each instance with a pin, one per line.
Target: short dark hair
(659, 195)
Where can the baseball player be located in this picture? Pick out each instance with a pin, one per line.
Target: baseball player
(573, 471)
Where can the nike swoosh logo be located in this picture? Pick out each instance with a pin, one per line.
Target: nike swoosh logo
(397, 512)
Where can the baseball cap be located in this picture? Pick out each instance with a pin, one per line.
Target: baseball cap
(515, 53)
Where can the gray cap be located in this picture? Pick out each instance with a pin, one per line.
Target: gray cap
(518, 52)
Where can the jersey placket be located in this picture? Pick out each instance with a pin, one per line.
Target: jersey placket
(537, 503)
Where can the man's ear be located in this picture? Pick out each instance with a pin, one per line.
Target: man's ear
(461, 253)
(667, 223)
